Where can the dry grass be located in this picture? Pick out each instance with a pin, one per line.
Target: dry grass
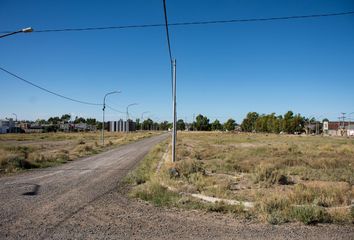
(289, 178)
(24, 151)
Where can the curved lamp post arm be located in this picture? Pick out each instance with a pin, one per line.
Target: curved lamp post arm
(132, 104)
(25, 30)
(103, 109)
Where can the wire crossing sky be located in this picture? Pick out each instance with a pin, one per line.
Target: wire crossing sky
(191, 23)
(289, 56)
(48, 91)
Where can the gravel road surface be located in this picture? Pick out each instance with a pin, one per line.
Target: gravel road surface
(85, 199)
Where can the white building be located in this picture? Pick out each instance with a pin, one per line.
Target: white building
(122, 126)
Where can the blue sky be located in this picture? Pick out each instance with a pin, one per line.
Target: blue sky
(223, 70)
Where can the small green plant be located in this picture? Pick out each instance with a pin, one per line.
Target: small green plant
(156, 194)
(311, 214)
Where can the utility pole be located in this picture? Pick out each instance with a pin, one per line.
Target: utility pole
(174, 127)
(342, 126)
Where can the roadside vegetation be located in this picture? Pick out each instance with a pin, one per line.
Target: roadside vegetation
(285, 178)
(39, 150)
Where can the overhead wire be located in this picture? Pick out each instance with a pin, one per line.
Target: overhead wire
(113, 109)
(167, 32)
(193, 22)
(47, 90)
(168, 43)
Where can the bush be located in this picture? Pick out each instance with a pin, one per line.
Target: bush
(270, 175)
(311, 215)
(275, 209)
(22, 163)
(188, 167)
(156, 194)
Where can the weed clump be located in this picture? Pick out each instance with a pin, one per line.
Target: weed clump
(156, 194)
(311, 215)
(188, 167)
(269, 175)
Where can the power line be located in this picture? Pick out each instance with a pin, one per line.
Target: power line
(113, 109)
(193, 23)
(168, 43)
(48, 91)
(167, 33)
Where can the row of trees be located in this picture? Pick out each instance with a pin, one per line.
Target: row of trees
(66, 118)
(254, 122)
(202, 123)
(270, 123)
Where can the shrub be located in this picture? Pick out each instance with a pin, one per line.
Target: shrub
(311, 214)
(156, 194)
(188, 167)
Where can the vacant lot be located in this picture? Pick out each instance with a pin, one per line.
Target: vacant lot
(273, 178)
(24, 151)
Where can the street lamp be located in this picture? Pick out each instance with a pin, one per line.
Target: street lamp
(25, 30)
(15, 116)
(15, 122)
(142, 118)
(308, 124)
(127, 123)
(103, 110)
(318, 125)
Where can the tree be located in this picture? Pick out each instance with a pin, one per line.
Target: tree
(54, 120)
(248, 124)
(41, 121)
(287, 122)
(91, 121)
(164, 126)
(138, 125)
(298, 124)
(230, 125)
(216, 126)
(181, 125)
(148, 124)
(65, 118)
(79, 120)
(202, 123)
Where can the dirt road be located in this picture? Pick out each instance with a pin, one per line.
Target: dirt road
(85, 200)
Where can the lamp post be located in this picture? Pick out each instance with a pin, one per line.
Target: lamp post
(15, 121)
(127, 118)
(308, 124)
(318, 125)
(142, 118)
(25, 30)
(103, 110)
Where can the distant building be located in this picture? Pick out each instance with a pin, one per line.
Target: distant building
(310, 128)
(6, 125)
(33, 129)
(80, 127)
(122, 126)
(338, 128)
